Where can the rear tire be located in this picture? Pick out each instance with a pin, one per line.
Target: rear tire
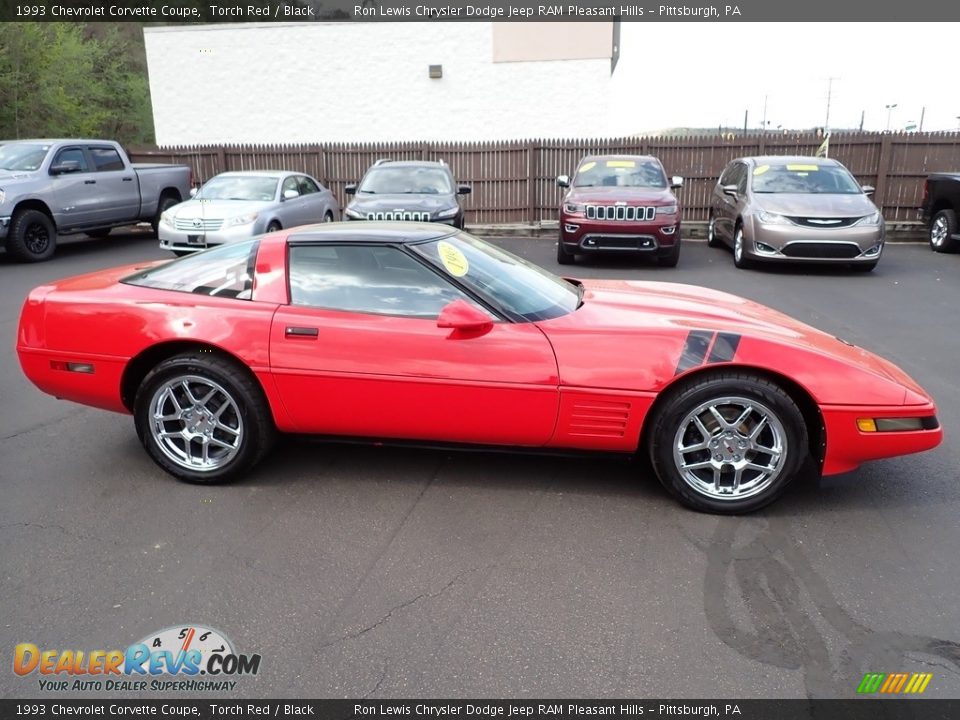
(563, 256)
(328, 217)
(203, 418)
(32, 236)
(163, 204)
(274, 226)
(671, 258)
(943, 225)
(762, 428)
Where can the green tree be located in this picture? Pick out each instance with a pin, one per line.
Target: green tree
(66, 80)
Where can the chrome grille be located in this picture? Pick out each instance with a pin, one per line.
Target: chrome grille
(824, 223)
(405, 215)
(620, 212)
(198, 225)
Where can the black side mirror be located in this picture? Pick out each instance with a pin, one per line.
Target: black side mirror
(350, 189)
(65, 167)
(463, 190)
(563, 181)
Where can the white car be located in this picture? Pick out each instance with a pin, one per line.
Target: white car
(237, 205)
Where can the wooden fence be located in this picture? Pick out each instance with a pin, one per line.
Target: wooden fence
(514, 182)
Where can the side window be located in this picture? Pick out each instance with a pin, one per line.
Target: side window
(306, 185)
(728, 177)
(106, 159)
(381, 280)
(289, 184)
(72, 155)
(741, 178)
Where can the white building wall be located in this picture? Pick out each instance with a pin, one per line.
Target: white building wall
(355, 82)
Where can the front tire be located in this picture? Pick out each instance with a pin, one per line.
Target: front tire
(274, 226)
(564, 257)
(943, 226)
(33, 237)
(712, 239)
(740, 258)
(728, 443)
(203, 418)
(671, 257)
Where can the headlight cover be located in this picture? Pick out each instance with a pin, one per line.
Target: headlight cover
(242, 219)
(166, 218)
(769, 218)
(351, 213)
(573, 208)
(667, 209)
(449, 212)
(873, 219)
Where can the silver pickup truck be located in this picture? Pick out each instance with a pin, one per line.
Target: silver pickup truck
(51, 187)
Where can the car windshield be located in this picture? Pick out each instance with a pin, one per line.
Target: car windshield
(620, 173)
(240, 187)
(224, 271)
(804, 178)
(406, 181)
(22, 156)
(522, 289)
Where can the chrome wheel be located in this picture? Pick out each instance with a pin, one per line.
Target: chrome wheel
(939, 231)
(196, 423)
(730, 448)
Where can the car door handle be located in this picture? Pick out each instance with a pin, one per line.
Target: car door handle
(128, 179)
(304, 333)
(89, 182)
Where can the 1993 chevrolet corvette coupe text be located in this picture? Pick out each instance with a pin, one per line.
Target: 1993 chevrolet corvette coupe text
(425, 333)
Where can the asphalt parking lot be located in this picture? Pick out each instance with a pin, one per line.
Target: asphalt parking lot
(384, 572)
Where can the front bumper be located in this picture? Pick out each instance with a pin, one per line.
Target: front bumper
(173, 239)
(797, 243)
(4, 226)
(848, 446)
(580, 235)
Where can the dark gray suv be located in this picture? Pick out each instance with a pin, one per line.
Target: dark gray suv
(419, 191)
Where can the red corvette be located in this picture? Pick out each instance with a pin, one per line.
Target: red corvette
(425, 333)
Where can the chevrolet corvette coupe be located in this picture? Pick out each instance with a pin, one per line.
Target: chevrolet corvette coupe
(403, 331)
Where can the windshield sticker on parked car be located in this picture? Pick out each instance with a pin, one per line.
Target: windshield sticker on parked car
(760, 169)
(621, 163)
(802, 168)
(453, 259)
(587, 166)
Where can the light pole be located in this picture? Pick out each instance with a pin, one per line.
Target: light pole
(889, 110)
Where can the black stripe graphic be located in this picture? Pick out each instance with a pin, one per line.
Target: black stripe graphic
(724, 348)
(694, 350)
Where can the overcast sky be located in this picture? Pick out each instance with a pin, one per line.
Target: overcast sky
(707, 74)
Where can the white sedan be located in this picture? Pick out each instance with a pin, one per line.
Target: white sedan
(237, 205)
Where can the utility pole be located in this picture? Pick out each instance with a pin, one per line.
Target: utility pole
(889, 108)
(746, 113)
(923, 111)
(863, 114)
(764, 123)
(826, 123)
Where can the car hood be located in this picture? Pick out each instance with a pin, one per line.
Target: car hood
(217, 208)
(387, 203)
(815, 204)
(628, 195)
(15, 177)
(653, 311)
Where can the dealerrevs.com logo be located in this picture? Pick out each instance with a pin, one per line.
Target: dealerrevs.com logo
(186, 657)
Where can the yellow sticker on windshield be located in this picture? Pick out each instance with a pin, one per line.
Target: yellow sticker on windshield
(760, 169)
(621, 163)
(587, 166)
(453, 259)
(802, 168)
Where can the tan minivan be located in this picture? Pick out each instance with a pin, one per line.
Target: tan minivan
(795, 209)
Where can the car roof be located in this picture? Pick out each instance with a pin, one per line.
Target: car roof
(410, 163)
(256, 173)
(774, 159)
(367, 231)
(615, 156)
(56, 140)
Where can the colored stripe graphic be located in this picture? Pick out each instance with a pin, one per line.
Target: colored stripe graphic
(894, 683)
(724, 348)
(694, 350)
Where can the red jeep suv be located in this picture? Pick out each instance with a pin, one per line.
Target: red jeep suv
(620, 204)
